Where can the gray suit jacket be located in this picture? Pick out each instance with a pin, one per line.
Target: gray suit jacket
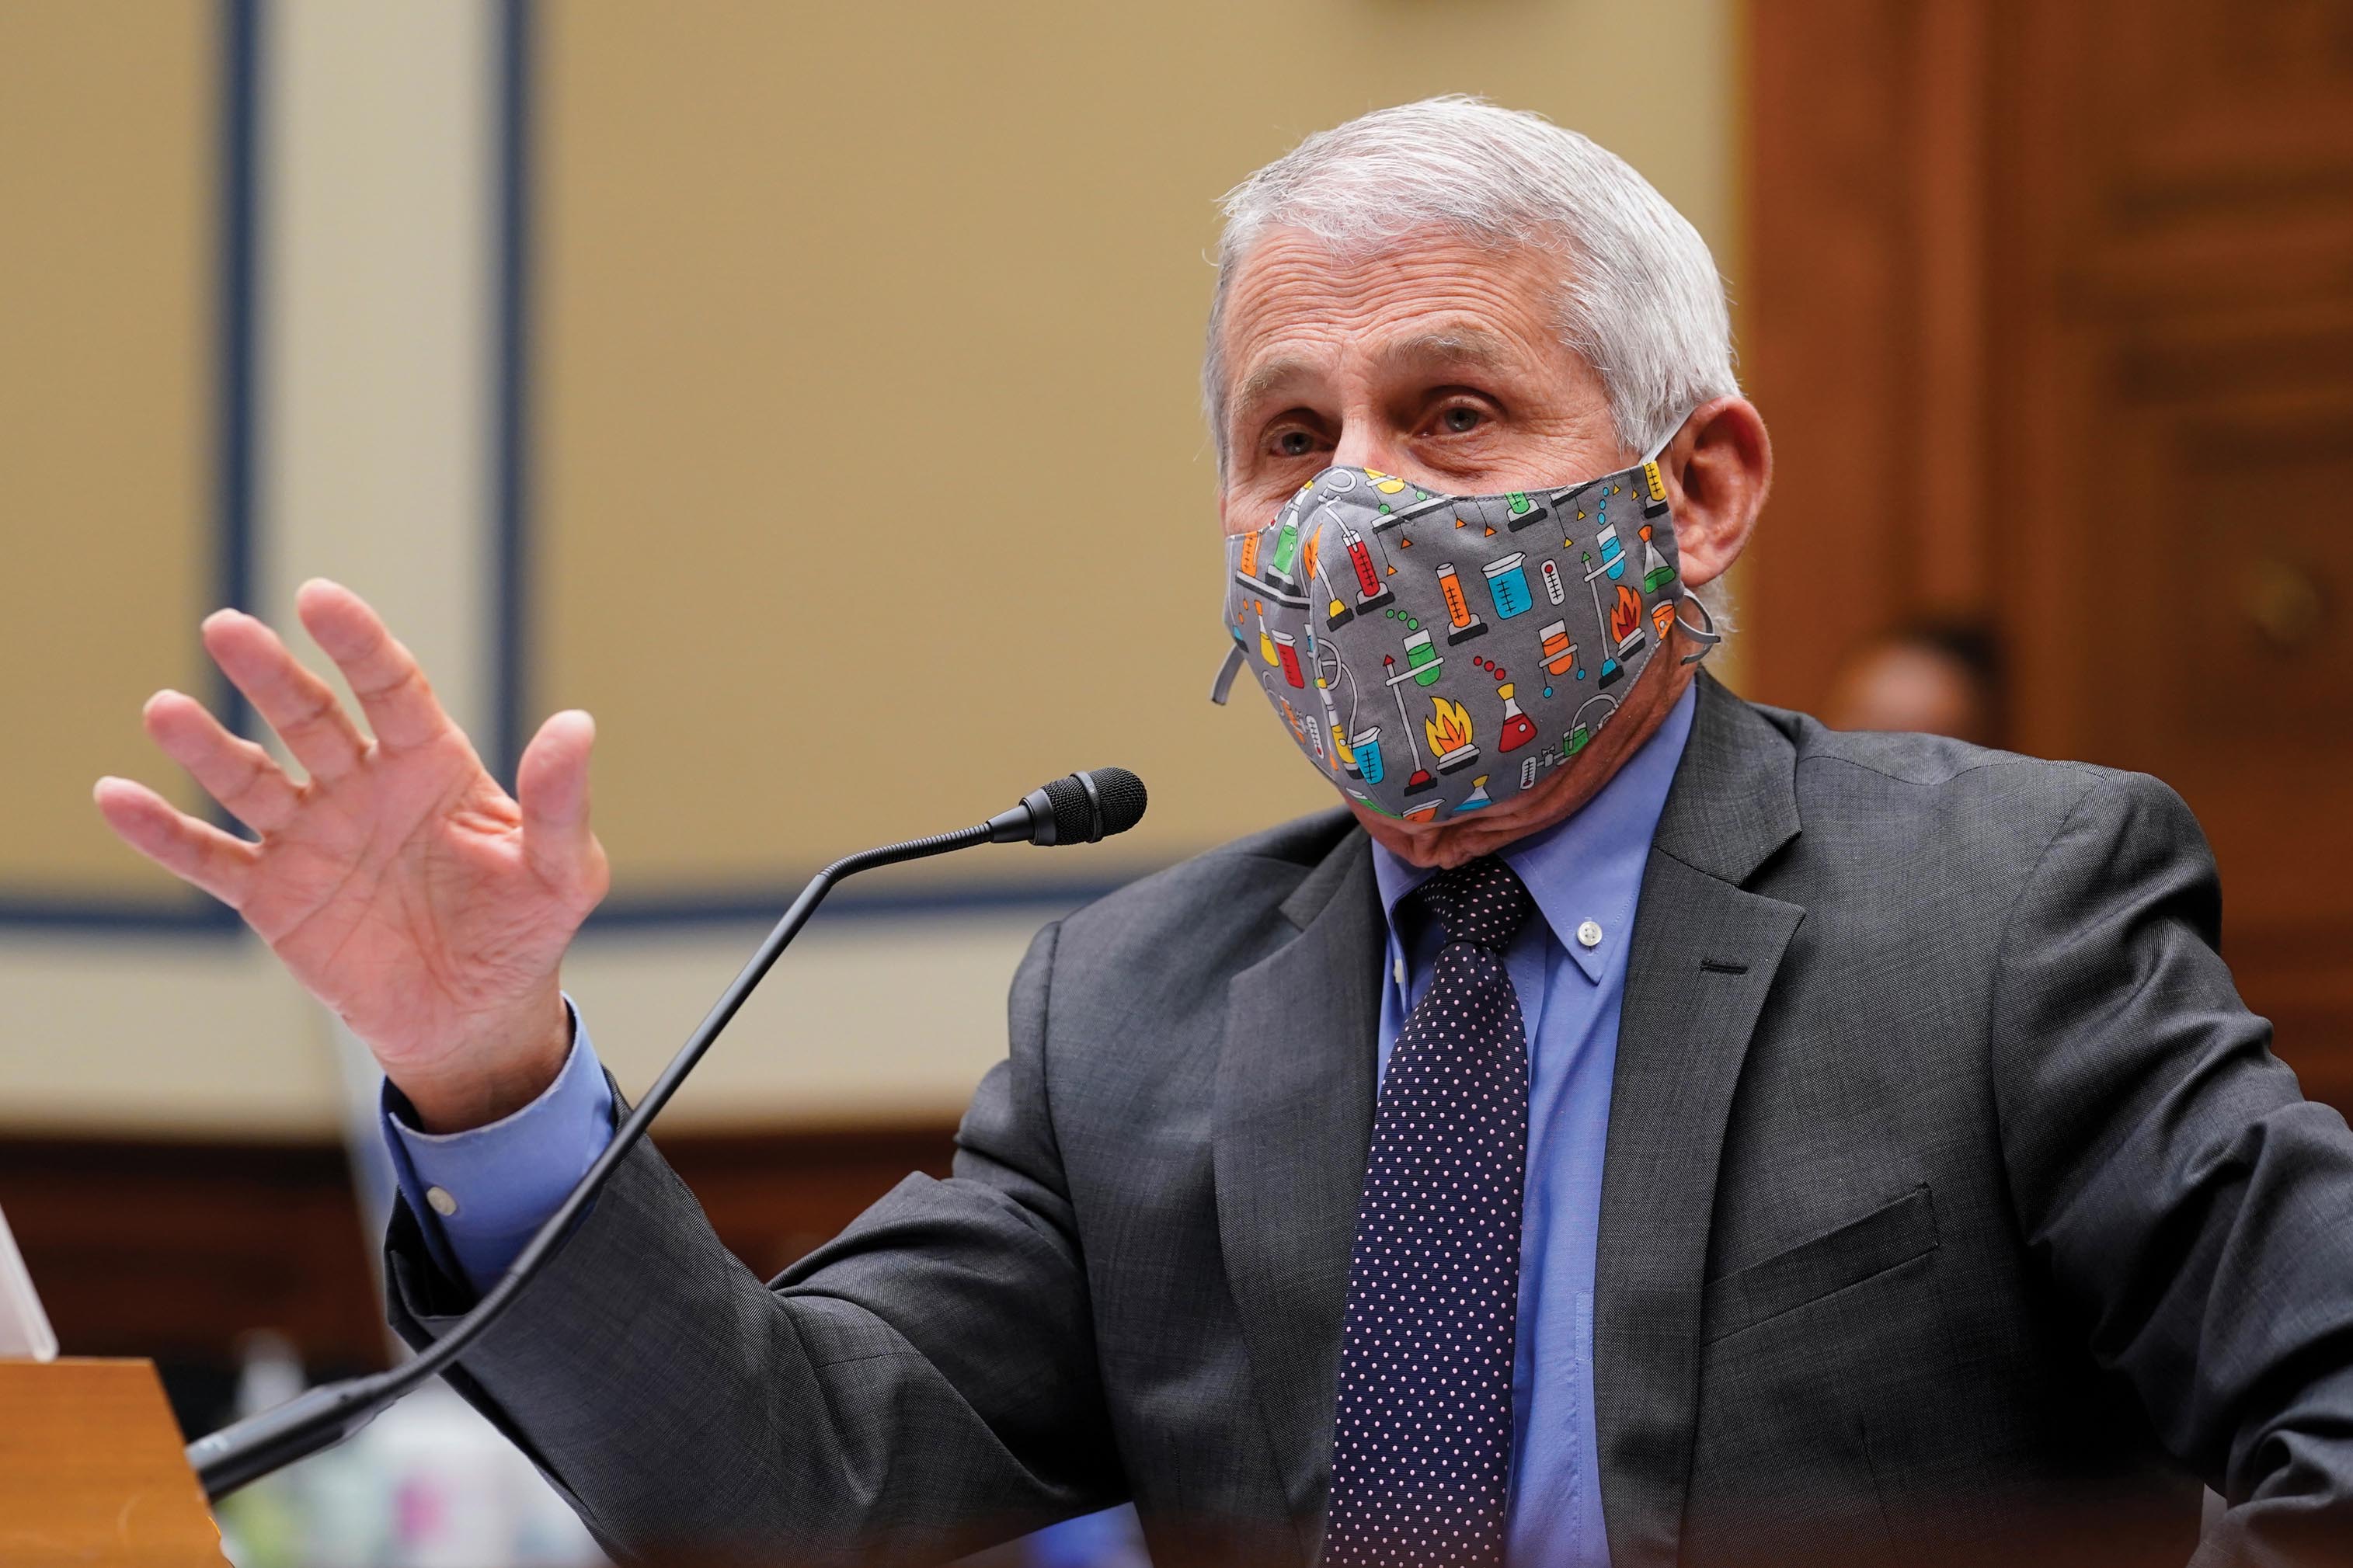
(1955, 1209)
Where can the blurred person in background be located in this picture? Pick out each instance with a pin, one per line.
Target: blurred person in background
(1939, 678)
(1636, 1127)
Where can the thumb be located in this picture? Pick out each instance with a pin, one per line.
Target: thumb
(551, 787)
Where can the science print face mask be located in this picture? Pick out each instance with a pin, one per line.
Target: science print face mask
(1433, 654)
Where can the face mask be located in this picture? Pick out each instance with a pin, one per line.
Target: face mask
(1434, 655)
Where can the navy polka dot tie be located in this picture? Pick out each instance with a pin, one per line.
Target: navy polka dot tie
(1422, 1449)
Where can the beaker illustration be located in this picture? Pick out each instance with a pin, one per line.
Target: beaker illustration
(1477, 797)
(1518, 728)
(1550, 572)
(1613, 555)
(1507, 583)
(1575, 740)
(1423, 812)
(1656, 573)
(1421, 659)
(1366, 746)
(1265, 638)
(1249, 567)
(1559, 652)
(1286, 650)
(1465, 625)
(1519, 512)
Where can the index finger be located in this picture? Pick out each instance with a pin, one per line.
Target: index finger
(385, 678)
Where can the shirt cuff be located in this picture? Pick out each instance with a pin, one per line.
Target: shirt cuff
(479, 1195)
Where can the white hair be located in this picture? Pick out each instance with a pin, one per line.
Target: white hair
(1641, 302)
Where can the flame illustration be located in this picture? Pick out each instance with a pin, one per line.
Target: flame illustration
(1450, 729)
(1307, 555)
(1625, 614)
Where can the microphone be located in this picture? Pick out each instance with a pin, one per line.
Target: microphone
(1081, 809)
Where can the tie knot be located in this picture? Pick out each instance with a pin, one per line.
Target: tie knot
(1483, 903)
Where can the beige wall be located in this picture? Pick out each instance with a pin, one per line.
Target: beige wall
(787, 257)
(107, 279)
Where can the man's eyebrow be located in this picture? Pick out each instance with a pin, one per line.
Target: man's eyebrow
(1451, 346)
(1264, 377)
(1458, 345)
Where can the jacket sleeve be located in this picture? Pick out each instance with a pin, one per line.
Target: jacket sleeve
(2192, 1209)
(923, 1384)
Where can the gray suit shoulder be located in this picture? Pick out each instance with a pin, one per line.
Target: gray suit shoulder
(1890, 765)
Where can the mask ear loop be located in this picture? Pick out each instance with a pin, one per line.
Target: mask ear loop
(1708, 636)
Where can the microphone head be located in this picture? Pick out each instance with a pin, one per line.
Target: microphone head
(1085, 808)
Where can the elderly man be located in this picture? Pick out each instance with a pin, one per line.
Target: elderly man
(1641, 1127)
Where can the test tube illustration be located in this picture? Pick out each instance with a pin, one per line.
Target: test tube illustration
(1613, 555)
(1366, 746)
(1555, 590)
(1422, 661)
(1508, 583)
(1559, 650)
(1371, 580)
(1282, 566)
(1420, 781)
(1654, 500)
(1465, 625)
(1249, 566)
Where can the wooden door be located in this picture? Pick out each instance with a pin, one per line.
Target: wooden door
(2050, 310)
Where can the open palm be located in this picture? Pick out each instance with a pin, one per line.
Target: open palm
(400, 884)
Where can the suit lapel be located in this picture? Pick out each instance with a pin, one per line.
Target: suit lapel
(1293, 1122)
(1704, 958)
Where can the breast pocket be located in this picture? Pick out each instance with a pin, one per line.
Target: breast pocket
(1891, 1235)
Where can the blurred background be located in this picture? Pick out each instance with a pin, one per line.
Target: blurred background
(603, 346)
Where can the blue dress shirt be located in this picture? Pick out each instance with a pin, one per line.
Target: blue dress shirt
(496, 1183)
(1585, 876)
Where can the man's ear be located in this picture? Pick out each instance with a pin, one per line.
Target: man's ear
(1717, 470)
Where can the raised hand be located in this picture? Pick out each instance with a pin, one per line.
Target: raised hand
(400, 884)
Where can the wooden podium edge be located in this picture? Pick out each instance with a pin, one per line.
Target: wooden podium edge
(92, 1469)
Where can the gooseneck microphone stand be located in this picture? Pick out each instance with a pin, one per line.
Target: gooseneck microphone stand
(1078, 808)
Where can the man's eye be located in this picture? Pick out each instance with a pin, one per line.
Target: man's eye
(1461, 419)
(1293, 444)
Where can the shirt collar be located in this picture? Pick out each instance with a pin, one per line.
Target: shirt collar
(1590, 866)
